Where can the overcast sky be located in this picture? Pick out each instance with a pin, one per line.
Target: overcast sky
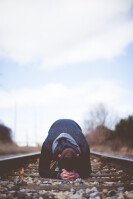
(59, 59)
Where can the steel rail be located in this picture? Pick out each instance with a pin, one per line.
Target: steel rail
(124, 162)
(16, 161)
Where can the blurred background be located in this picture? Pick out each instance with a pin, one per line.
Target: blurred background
(66, 59)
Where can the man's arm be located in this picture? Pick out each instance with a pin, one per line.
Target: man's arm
(85, 166)
(44, 164)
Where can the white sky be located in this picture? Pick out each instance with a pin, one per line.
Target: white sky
(49, 37)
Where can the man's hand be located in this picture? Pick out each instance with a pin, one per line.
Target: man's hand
(65, 175)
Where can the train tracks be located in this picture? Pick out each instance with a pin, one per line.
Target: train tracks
(111, 178)
(17, 161)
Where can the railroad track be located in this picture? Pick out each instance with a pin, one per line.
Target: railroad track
(111, 177)
(17, 161)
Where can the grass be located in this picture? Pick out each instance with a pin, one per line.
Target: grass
(122, 152)
(101, 141)
(8, 148)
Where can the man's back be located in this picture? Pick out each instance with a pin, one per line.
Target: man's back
(67, 126)
(63, 134)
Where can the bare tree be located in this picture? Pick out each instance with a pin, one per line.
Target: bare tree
(98, 116)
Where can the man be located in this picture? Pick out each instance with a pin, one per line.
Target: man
(65, 153)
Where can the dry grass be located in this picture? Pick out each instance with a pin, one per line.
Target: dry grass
(7, 148)
(122, 152)
(103, 140)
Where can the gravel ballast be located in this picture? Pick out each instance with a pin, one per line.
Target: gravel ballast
(106, 181)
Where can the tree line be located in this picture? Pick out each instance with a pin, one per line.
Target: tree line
(98, 131)
(5, 134)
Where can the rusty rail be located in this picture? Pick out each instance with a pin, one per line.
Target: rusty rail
(16, 161)
(124, 162)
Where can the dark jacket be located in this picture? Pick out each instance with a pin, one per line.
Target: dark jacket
(48, 159)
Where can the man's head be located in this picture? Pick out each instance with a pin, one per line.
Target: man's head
(68, 159)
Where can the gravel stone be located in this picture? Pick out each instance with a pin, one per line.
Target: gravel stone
(20, 195)
(28, 197)
(99, 187)
(120, 196)
(73, 190)
(97, 197)
(94, 189)
(105, 191)
(112, 193)
(3, 196)
(87, 190)
(129, 195)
